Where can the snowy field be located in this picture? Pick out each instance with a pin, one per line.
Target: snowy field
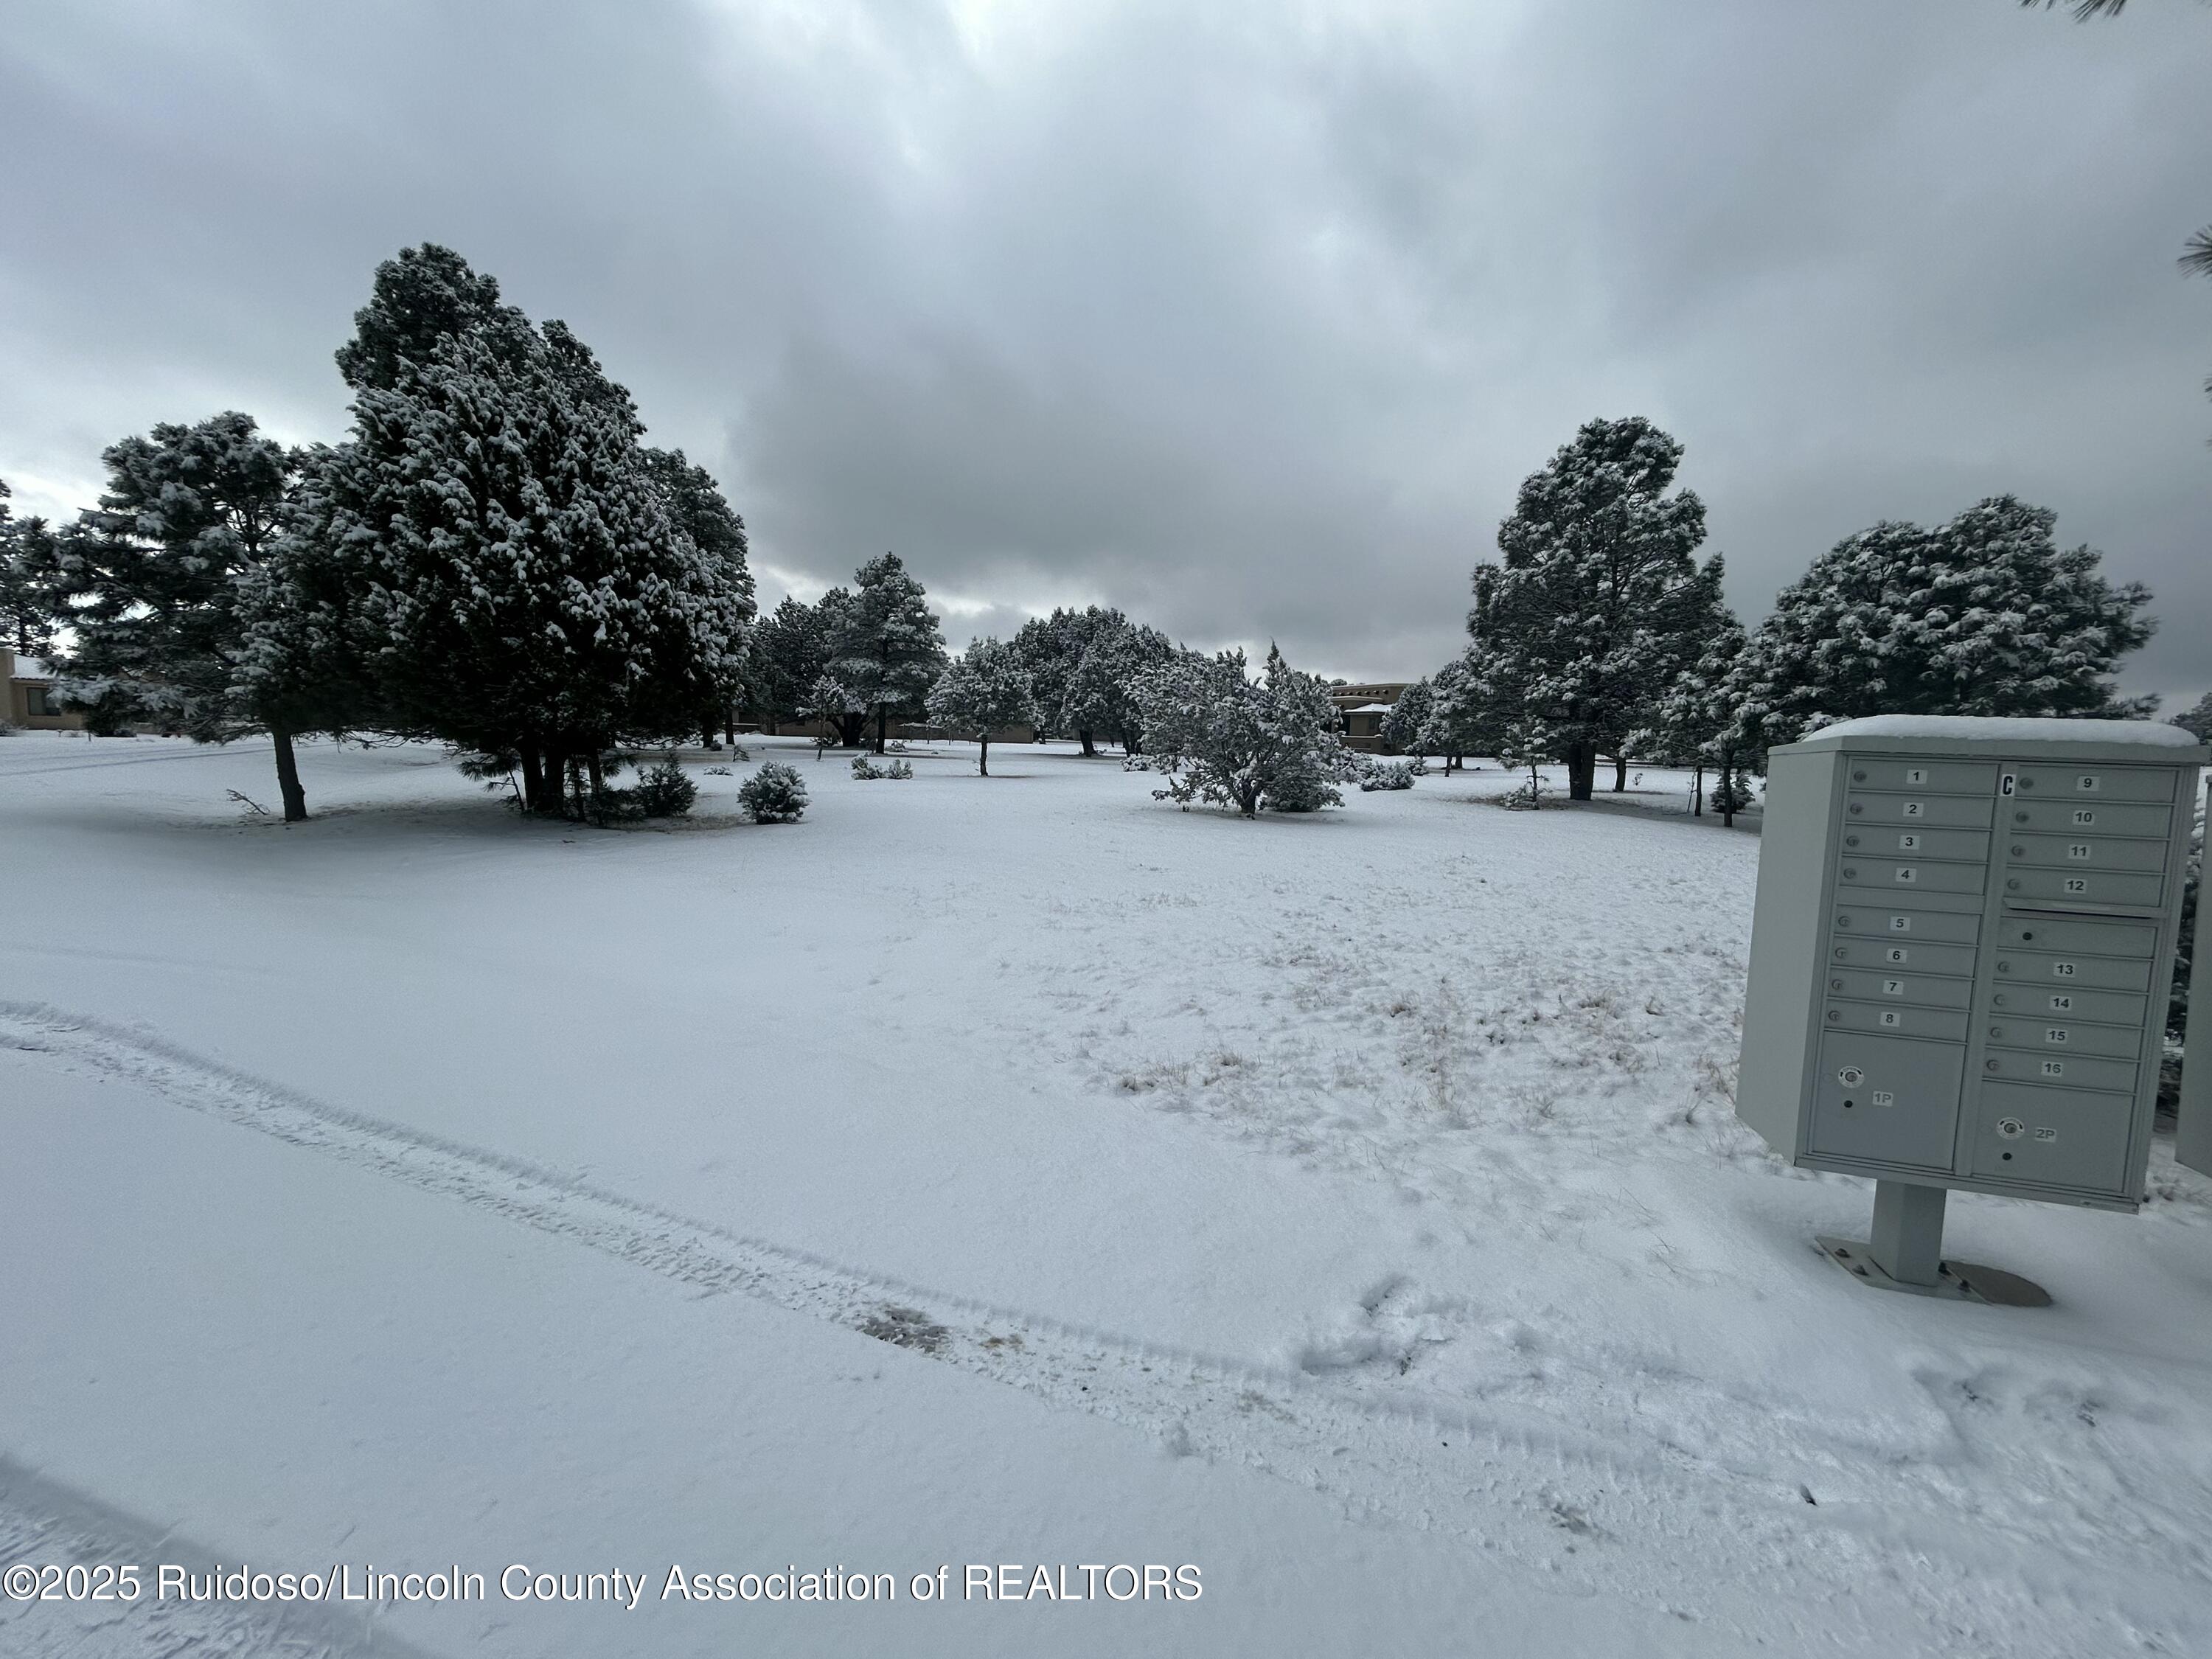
(1005, 1172)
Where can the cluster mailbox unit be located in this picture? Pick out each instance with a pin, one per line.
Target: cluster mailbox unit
(1960, 966)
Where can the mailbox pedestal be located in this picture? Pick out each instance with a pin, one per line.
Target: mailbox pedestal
(1959, 963)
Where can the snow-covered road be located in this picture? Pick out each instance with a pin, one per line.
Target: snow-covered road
(1349, 1206)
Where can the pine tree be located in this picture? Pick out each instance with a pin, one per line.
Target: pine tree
(1693, 719)
(1052, 648)
(1223, 738)
(836, 710)
(2198, 722)
(1460, 721)
(1102, 693)
(26, 606)
(425, 295)
(522, 586)
(886, 645)
(151, 584)
(1572, 629)
(1985, 615)
(790, 648)
(1405, 725)
(983, 689)
(695, 506)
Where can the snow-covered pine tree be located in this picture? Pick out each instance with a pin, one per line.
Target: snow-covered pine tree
(1984, 615)
(695, 505)
(151, 584)
(1051, 649)
(425, 294)
(885, 644)
(983, 689)
(26, 606)
(1102, 693)
(1404, 727)
(790, 647)
(1218, 736)
(836, 711)
(523, 587)
(1693, 719)
(1464, 717)
(774, 795)
(2198, 719)
(1572, 627)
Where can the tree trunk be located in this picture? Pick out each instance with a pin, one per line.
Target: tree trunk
(533, 779)
(1728, 790)
(1582, 770)
(1697, 791)
(288, 776)
(983, 756)
(883, 720)
(1085, 738)
(1619, 774)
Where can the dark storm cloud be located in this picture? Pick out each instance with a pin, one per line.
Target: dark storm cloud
(1248, 318)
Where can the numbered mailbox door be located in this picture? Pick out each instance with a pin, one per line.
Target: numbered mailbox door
(1888, 1100)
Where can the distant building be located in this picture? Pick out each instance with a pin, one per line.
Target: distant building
(31, 700)
(1361, 709)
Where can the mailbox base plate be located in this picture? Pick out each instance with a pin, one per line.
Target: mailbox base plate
(1956, 1281)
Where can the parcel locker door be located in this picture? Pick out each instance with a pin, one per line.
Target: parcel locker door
(1888, 1099)
(2061, 1137)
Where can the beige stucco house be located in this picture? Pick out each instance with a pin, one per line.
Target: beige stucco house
(30, 696)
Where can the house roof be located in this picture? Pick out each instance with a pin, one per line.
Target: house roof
(30, 668)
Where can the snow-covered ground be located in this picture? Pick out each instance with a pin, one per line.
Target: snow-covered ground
(1004, 1171)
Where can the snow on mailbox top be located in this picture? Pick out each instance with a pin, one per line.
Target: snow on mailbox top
(1975, 728)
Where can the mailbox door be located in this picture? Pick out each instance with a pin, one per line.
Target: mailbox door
(1889, 1099)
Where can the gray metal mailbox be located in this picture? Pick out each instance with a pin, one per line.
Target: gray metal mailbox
(1960, 961)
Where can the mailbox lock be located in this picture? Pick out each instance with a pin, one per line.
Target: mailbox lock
(1856, 808)
(2019, 852)
(2004, 967)
(1848, 871)
(1997, 1000)
(2025, 935)
(1842, 921)
(2019, 817)
(1835, 1013)
(1989, 1066)
(1841, 953)
(2028, 783)
(1996, 1030)
(1851, 840)
(1858, 777)
(2012, 886)
(1835, 985)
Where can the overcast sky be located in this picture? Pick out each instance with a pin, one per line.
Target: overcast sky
(1246, 317)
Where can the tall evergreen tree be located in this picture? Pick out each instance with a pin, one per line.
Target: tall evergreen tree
(26, 605)
(695, 506)
(1102, 693)
(1052, 648)
(151, 584)
(1572, 631)
(984, 689)
(1404, 726)
(790, 648)
(1984, 615)
(1693, 720)
(527, 589)
(886, 645)
(1460, 721)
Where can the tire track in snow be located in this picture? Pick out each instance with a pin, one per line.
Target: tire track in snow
(1742, 1552)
